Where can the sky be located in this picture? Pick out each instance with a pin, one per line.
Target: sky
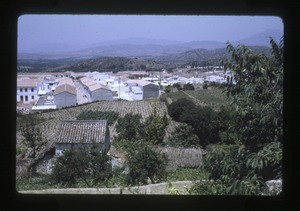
(82, 30)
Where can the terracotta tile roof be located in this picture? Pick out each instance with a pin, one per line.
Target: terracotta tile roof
(28, 82)
(65, 85)
(82, 131)
(65, 88)
(92, 85)
(66, 81)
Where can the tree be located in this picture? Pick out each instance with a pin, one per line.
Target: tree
(32, 134)
(256, 94)
(69, 167)
(183, 136)
(167, 89)
(145, 163)
(154, 128)
(175, 109)
(88, 164)
(129, 127)
(205, 85)
(177, 85)
(256, 91)
(188, 86)
(199, 118)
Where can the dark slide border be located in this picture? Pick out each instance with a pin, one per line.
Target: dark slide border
(11, 200)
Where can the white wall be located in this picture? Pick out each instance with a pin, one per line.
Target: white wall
(32, 95)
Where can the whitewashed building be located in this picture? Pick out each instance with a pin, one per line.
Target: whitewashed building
(95, 90)
(65, 94)
(27, 90)
(149, 90)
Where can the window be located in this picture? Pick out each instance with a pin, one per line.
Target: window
(32, 97)
(26, 97)
(21, 90)
(32, 89)
(25, 89)
(21, 98)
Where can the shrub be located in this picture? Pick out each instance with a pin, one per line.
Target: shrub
(145, 163)
(177, 108)
(183, 136)
(188, 86)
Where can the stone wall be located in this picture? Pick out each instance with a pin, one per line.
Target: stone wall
(182, 157)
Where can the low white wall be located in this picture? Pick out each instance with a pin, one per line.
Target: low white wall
(160, 188)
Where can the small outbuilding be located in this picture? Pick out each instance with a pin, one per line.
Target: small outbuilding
(79, 133)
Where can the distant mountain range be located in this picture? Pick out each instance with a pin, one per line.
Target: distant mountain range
(196, 57)
(202, 57)
(138, 47)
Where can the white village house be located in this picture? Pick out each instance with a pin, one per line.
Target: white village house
(95, 90)
(65, 94)
(27, 90)
(146, 88)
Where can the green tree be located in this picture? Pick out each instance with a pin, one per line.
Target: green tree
(200, 118)
(87, 164)
(129, 127)
(177, 86)
(145, 163)
(154, 127)
(183, 136)
(167, 89)
(175, 109)
(32, 134)
(188, 86)
(256, 91)
(205, 85)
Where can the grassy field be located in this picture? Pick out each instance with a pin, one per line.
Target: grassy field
(204, 97)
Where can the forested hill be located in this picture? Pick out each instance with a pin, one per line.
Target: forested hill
(203, 56)
(114, 64)
(196, 57)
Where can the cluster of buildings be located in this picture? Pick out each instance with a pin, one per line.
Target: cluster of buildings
(38, 91)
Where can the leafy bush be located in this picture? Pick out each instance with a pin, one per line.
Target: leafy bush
(182, 174)
(183, 136)
(188, 86)
(178, 86)
(199, 118)
(154, 128)
(82, 164)
(145, 163)
(129, 127)
(177, 108)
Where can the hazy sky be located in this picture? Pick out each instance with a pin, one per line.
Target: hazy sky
(82, 30)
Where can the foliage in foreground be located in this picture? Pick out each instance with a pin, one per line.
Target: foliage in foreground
(183, 136)
(33, 138)
(144, 163)
(256, 92)
(82, 164)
